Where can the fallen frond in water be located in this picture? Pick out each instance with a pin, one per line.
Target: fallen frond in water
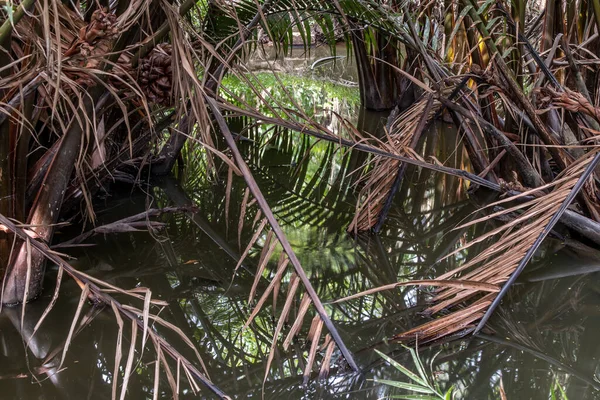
(276, 236)
(508, 245)
(134, 223)
(97, 291)
(404, 132)
(459, 284)
(462, 304)
(363, 146)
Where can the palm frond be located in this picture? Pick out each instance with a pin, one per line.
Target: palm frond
(509, 245)
(298, 275)
(403, 134)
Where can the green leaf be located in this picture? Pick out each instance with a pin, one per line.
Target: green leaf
(9, 10)
(561, 389)
(419, 365)
(414, 397)
(406, 386)
(507, 52)
(307, 28)
(449, 394)
(403, 369)
(484, 6)
(491, 23)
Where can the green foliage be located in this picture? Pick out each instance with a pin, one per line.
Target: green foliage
(557, 392)
(9, 9)
(283, 17)
(423, 386)
(422, 383)
(290, 91)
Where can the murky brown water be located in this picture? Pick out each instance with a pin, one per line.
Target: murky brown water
(546, 329)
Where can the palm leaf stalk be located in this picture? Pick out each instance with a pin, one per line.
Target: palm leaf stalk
(579, 223)
(360, 146)
(266, 210)
(538, 241)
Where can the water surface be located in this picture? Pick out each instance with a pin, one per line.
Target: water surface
(545, 331)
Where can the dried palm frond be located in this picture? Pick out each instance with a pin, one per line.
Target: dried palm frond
(509, 244)
(570, 101)
(381, 175)
(99, 292)
(463, 303)
(297, 277)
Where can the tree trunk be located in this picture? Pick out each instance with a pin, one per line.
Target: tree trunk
(378, 81)
(44, 214)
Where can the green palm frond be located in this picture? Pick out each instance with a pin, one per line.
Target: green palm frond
(422, 387)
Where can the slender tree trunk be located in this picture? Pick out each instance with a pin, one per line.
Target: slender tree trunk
(378, 82)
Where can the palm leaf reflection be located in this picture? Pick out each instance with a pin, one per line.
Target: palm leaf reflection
(191, 266)
(352, 266)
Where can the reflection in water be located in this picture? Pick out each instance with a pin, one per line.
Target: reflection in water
(545, 331)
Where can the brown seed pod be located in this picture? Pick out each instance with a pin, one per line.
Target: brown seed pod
(155, 75)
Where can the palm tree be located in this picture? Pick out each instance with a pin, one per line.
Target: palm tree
(96, 92)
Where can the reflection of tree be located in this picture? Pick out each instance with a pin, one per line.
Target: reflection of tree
(191, 266)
